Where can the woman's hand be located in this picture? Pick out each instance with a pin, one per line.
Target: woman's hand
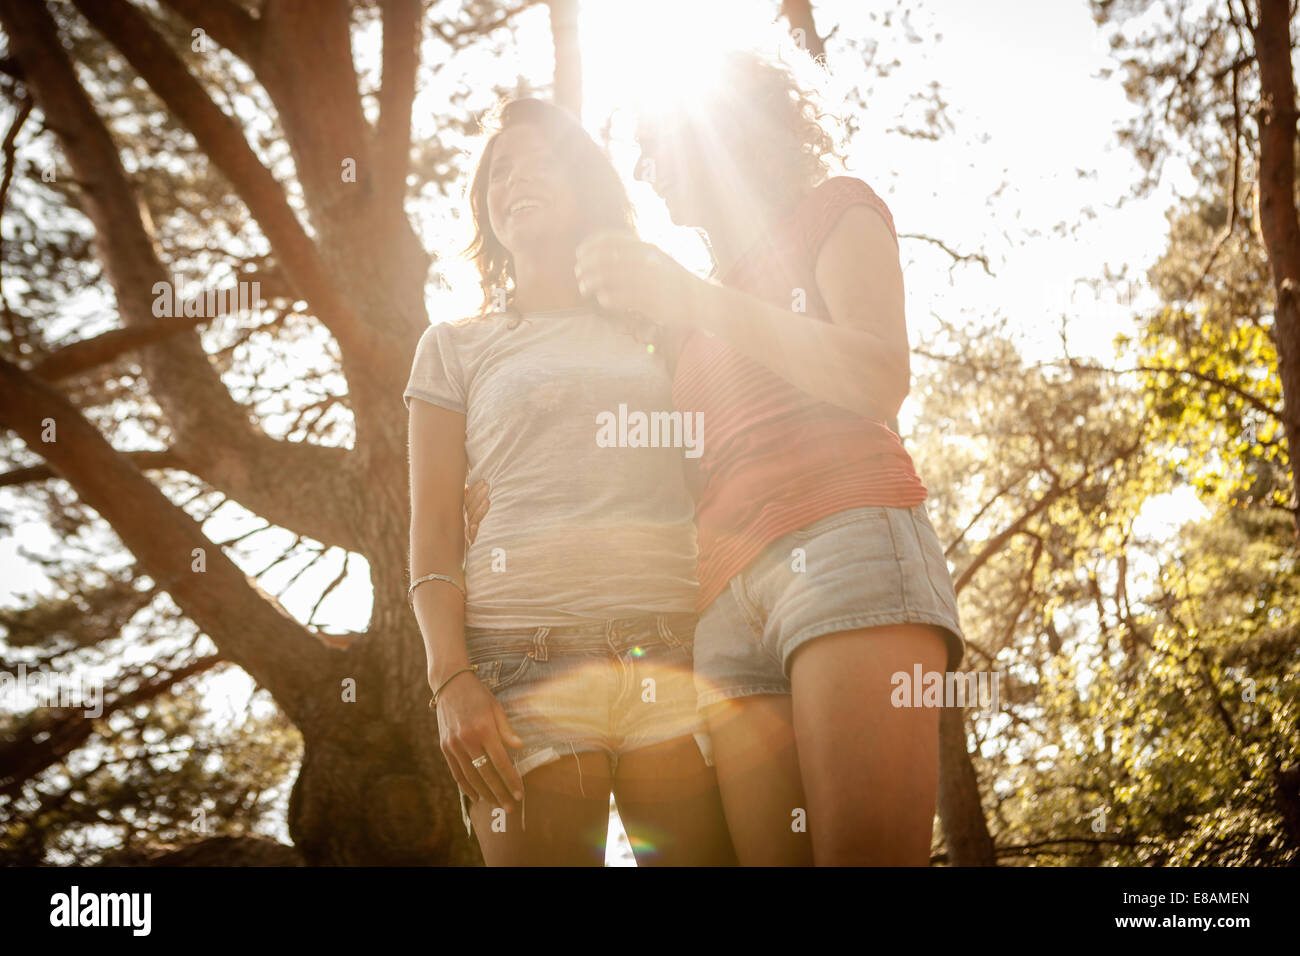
(623, 273)
(476, 506)
(471, 724)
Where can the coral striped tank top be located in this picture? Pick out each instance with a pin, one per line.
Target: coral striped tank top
(774, 458)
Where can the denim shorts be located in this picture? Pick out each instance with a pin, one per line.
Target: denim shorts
(612, 686)
(862, 567)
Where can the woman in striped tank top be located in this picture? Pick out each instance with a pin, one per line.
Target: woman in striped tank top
(821, 578)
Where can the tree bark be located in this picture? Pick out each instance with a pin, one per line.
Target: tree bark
(1277, 210)
(965, 830)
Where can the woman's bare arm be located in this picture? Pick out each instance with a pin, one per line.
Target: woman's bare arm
(860, 359)
(471, 722)
(437, 460)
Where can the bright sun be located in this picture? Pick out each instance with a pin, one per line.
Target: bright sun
(632, 52)
(642, 52)
(676, 43)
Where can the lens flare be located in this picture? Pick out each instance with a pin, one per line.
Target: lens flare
(643, 848)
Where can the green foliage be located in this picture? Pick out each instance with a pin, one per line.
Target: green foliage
(1209, 365)
(1151, 712)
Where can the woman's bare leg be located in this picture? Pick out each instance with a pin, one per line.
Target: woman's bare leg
(758, 777)
(565, 819)
(668, 801)
(870, 770)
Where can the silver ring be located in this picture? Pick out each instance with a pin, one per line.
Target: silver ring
(480, 761)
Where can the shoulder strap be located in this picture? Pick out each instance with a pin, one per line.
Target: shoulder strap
(828, 202)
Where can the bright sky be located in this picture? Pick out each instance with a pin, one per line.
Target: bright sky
(1026, 106)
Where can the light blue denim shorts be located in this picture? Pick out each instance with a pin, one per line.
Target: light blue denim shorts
(862, 567)
(612, 686)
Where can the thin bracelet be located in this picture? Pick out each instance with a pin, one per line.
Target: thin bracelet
(433, 701)
(434, 577)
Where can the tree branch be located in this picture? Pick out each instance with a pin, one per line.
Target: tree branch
(143, 460)
(221, 138)
(369, 248)
(227, 22)
(453, 38)
(211, 430)
(250, 629)
(20, 117)
(23, 756)
(996, 543)
(957, 256)
(1253, 401)
(401, 58)
(947, 553)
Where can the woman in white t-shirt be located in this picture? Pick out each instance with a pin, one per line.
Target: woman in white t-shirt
(561, 655)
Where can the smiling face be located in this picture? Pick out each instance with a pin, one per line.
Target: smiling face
(530, 204)
(539, 186)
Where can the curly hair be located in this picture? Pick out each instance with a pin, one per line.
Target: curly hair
(765, 113)
(601, 196)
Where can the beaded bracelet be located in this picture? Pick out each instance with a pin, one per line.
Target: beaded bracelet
(433, 577)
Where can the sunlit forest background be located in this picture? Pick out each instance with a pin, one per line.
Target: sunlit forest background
(206, 518)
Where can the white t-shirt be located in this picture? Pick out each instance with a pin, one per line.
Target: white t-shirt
(586, 522)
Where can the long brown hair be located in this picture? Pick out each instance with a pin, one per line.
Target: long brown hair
(601, 197)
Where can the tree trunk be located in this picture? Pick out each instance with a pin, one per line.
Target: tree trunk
(962, 816)
(568, 58)
(1277, 211)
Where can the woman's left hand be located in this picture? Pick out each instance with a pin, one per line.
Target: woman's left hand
(623, 273)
